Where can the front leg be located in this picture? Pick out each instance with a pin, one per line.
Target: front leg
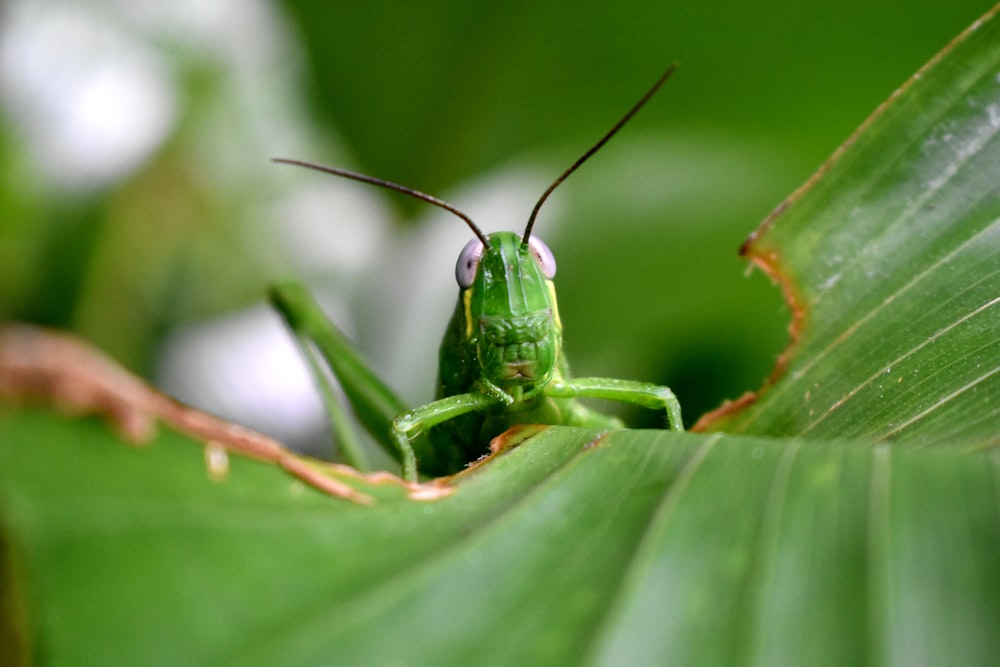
(626, 391)
(409, 425)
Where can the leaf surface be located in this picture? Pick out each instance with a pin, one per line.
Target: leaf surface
(576, 547)
(890, 260)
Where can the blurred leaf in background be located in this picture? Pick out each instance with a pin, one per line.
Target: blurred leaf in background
(138, 206)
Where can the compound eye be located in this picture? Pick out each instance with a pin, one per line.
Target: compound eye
(468, 263)
(546, 260)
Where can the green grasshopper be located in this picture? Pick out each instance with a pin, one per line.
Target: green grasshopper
(501, 360)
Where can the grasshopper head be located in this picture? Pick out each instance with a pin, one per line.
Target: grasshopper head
(511, 317)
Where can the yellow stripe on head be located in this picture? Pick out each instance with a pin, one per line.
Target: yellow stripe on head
(467, 304)
(555, 305)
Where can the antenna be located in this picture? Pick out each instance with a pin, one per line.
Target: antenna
(390, 186)
(596, 147)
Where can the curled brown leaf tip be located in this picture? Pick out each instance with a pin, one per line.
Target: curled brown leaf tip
(58, 370)
(41, 366)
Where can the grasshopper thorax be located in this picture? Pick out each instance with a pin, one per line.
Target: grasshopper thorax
(512, 326)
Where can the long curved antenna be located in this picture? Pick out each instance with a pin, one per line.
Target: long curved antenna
(596, 147)
(390, 186)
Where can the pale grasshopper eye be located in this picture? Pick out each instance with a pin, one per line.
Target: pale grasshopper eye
(546, 260)
(468, 263)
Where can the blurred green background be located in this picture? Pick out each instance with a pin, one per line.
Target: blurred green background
(138, 207)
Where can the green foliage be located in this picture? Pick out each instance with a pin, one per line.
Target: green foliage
(638, 547)
(817, 529)
(890, 260)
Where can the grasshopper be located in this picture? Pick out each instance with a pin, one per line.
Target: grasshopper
(501, 361)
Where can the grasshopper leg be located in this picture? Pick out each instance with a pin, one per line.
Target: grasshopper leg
(407, 426)
(374, 404)
(646, 394)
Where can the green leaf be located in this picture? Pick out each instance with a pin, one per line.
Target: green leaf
(630, 547)
(889, 258)
(634, 547)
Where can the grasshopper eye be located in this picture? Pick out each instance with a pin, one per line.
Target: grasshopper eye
(468, 263)
(546, 260)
